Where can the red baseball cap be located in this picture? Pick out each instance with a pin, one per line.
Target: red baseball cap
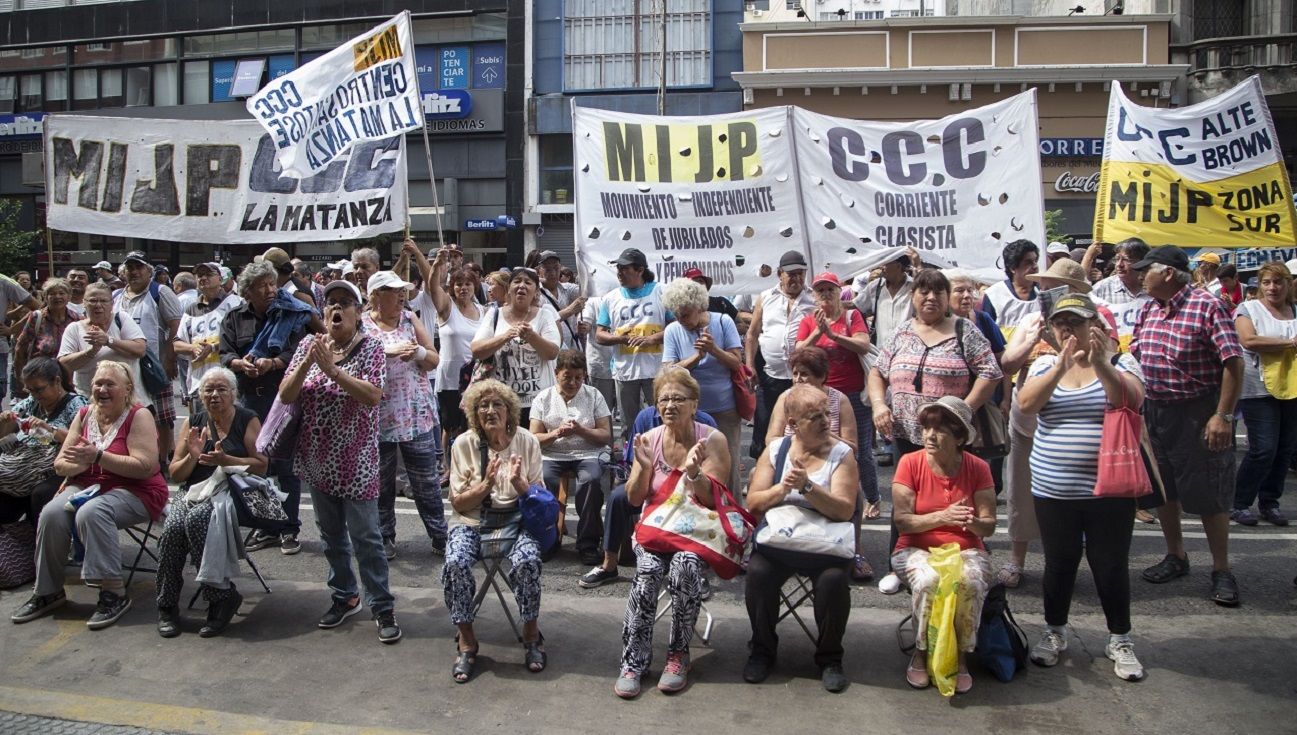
(826, 277)
(696, 274)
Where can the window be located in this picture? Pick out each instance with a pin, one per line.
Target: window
(196, 82)
(1218, 19)
(85, 89)
(616, 44)
(164, 85)
(56, 91)
(869, 15)
(139, 86)
(246, 42)
(45, 57)
(127, 51)
(556, 169)
(29, 93)
(110, 88)
(8, 90)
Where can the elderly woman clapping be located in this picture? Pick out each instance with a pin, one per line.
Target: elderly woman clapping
(99, 337)
(219, 433)
(818, 475)
(707, 345)
(42, 331)
(942, 494)
(491, 467)
(110, 457)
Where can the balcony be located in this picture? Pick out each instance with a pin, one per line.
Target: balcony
(1216, 64)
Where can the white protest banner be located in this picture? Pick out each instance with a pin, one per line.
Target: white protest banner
(366, 89)
(212, 182)
(714, 192)
(1210, 174)
(956, 189)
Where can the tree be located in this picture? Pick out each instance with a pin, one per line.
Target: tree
(1054, 225)
(15, 243)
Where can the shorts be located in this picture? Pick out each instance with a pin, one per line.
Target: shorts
(1200, 479)
(164, 406)
(453, 419)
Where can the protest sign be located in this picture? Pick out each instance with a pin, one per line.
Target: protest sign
(366, 89)
(955, 189)
(212, 182)
(715, 192)
(1210, 174)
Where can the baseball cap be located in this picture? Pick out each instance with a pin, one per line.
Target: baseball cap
(1292, 266)
(827, 277)
(1074, 303)
(137, 256)
(793, 260)
(385, 279)
(208, 267)
(103, 265)
(631, 256)
(547, 255)
(1208, 258)
(696, 274)
(226, 273)
(1057, 248)
(278, 257)
(351, 288)
(1167, 255)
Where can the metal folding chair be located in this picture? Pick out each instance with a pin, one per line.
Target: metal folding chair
(141, 537)
(493, 565)
(704, 635)
(802, 591)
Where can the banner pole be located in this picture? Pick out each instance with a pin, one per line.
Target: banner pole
(432, 180)
(49, 246)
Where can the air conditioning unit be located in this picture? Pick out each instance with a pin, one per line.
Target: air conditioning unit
(756, 13)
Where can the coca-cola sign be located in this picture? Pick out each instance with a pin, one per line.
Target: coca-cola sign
(1069, 182)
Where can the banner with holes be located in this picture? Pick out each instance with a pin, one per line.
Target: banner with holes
(955, 189)
(1210, 174)
(717, 193)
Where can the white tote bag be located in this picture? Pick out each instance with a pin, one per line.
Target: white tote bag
(806, 531)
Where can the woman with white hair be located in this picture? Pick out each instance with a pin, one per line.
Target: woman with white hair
(707, 345)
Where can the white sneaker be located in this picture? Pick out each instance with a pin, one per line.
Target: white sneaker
(890, 584)
(1045, 652)
(1125, 665)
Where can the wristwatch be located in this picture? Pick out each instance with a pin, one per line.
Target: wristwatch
(1226, 416)
(808, 487)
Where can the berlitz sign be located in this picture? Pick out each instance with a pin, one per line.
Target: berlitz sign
(1068, 182)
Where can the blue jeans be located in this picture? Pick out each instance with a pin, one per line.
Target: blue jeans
(866, 463)
(348, 524)
(419, 455)
(1271, 443)
(588, 495)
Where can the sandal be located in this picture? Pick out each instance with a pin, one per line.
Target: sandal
(535, 656)
(462, 671)
(963, 682)
(861, 571)
(917, 678)
(1166, 570)
(1224, 588)
(873, 510)
(1010, 575)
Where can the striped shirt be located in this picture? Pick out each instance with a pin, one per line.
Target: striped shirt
(1182, 346)
(1065, 456)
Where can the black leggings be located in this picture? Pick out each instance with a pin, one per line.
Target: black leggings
(1101, 529)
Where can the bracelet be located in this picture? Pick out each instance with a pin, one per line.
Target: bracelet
(695, 477)
(421, 353)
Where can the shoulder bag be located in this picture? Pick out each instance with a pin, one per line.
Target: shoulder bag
(498, 528)
(793, 528)
(475, 370)
(673, 521)
(17, 554)
(279, 432)
(1121, 462)
(993, 438)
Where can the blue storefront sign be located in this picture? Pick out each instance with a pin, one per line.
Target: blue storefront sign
(506, 222)
(281, 64)
(448, 104)
(1071, 147)
(222, 78)
(22, 126)
(488, 66)
(454, 67)
(480, 224)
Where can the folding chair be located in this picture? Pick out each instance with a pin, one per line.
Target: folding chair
(493, 565)
(252, 524)
(142, 536)
(704, 635)
(802, 591)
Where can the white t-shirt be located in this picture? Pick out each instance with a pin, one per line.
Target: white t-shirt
(1266, 326)
(205, 329)
(780, 318)
(517, 364)
(598, 358)
(586, 408)
(74, 341)
(634, 312)
(151, 316)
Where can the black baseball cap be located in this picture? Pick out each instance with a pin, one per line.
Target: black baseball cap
(1165, 255)
(793, 260)
(137, 256)
(631, 256)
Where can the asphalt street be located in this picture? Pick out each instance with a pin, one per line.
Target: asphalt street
(1210, 669)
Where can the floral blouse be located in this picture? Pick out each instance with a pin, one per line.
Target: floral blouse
(43, 340)
(29, 408)
(337, 448)
(407, 410)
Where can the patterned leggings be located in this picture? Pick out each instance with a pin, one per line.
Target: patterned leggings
(922, 579)
(684, 573)
(464, 548)
(184, 535)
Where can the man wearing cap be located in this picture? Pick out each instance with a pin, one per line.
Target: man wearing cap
(885, 302)
(715, 304)
(104, 272)
(287, 279)
(198, 338)
(1204, 275)
(773, 333)
(1055, 252)
(1126, 284)
(157, 312)
(1187, 345)
(633, 321)
(564, 297)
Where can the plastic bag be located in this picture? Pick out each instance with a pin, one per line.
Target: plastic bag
(943, 648)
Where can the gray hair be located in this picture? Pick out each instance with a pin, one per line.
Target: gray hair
(186, 280)
(684, 293)
(369, 254)
(253, 272)
(1181, 277)
(53, 283)
(958, 274)
(222, 372)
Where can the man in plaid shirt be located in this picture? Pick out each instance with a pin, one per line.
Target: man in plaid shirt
(1186, 343)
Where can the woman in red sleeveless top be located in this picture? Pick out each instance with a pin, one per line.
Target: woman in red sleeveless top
(110, 458)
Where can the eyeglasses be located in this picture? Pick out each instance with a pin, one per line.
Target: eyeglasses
(666, 400)
(486, 406)
(1071, 322)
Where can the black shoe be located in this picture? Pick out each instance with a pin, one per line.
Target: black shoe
(38, 606)
(168, 622)
(338, 612)
(1224, 588)
(261, 541)
(288, 544)
(832, 678)
(111, 607)
(439, 548)
(1274, 516)
(219, 614)
(389, 548)
(388, 631)
(597, 577)
(756, 670)
(1166, 570)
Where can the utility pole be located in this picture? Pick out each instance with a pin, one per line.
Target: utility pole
(662, 72)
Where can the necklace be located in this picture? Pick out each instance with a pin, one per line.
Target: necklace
(346, 348)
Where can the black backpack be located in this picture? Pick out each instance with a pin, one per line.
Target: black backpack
(1001, 644)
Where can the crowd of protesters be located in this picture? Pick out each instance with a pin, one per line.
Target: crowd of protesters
(496, 386)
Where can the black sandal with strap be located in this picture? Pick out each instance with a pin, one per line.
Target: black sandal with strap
(535, 657)
(462, 671)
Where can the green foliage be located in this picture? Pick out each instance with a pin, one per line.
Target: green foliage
(1053, 226)
(15, 244)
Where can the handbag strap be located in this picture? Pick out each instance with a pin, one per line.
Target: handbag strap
(781, 457)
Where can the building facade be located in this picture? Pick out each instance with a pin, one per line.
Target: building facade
(176, 58)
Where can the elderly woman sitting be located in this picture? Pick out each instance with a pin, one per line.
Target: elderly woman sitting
(818, 475)
(699, 451)
(942, 494)
(30, 436)
(491, 466)
(218, 434)
(111, 457)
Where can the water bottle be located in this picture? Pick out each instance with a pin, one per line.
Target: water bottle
(39, 433)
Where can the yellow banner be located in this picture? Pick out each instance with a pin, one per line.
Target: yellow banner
(681, 153)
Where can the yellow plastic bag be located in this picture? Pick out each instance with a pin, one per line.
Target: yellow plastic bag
(1278, 373)
(943, 648)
